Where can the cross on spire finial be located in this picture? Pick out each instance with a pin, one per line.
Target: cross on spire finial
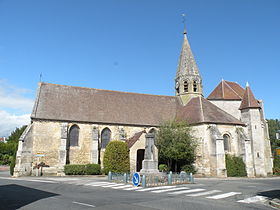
(184, 22)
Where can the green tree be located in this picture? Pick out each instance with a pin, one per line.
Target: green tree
(273, 127)
(8, 150)
(176, 145)
(116, 157)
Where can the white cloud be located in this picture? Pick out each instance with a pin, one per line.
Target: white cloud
(12, 97)
(8, 122)
(15, 107)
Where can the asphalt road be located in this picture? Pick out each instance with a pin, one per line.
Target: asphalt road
(89, 193)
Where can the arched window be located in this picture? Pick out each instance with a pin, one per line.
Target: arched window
(186, 86)
(74, 136)
(195, 86)
(105, 137)
(226, 142)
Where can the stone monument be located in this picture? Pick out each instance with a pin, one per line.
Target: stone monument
(149, 164)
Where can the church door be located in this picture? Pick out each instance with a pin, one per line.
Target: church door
(140, 158)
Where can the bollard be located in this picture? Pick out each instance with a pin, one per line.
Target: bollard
(191, 178)
(110, 176)
(170, 178)
(125, 178)
(144, 181)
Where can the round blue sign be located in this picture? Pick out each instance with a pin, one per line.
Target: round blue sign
(136, 179)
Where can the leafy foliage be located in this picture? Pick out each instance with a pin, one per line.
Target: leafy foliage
(235, 166)
(163, 168)
(88, 169)
(8, 150)
(75, 169)
(116, 157)
(189, 169)
(176, 145)
(273, 127)
(93, 169)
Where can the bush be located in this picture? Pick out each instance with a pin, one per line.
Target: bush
(12, 165)
(276, 165)
(93, 169)
(116, 157)
(188, 169)
(88, 169)
(235, 166)
(163, 168)
(75, 169)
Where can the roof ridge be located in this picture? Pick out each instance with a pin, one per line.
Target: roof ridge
(234, 91)
(117, 91)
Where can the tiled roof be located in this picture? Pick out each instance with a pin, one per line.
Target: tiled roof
(200, 110)
(249, 100)
(68, 103)
(77, 104)
(131, 141)
(227, 91)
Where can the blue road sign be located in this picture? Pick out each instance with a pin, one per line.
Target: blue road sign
(136, 179)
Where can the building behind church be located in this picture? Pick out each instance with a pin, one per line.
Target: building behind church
(73, 125)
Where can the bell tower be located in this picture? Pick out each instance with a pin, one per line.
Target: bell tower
(188, 82)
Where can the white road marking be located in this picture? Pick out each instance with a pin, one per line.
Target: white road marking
(133, 188)
(121, 187)
(225, 195)
(112, 185)
(186, 191)
(204, 193)
(172, 189)
(28, 180)
(98, 184)
(84, 204)
(156, 188)
(254, 199)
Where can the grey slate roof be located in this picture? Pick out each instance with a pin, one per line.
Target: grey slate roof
(68, 103)
(78, 104)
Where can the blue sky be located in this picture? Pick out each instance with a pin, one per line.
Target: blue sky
(134, 46)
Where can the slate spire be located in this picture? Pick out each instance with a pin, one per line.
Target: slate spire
(188, 82)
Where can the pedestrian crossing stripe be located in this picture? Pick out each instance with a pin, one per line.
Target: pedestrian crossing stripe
(204, 193)
(121, 187)
(133, 188)
(225, 195)
(112, 185)
(186, 191)
(172, 189)
(156, 188)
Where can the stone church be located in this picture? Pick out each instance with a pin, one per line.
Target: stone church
(73, 125)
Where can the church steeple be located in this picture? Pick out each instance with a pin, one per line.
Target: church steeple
(188, 82)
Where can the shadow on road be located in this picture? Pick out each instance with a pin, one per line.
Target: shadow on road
(271, 194)
(14, 196)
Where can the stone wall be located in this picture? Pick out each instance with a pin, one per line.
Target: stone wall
(231, 107)
(47, 143)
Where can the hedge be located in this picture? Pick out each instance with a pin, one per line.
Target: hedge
(276, 165)
(116, 157)
(88, 169)
(235, 166)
